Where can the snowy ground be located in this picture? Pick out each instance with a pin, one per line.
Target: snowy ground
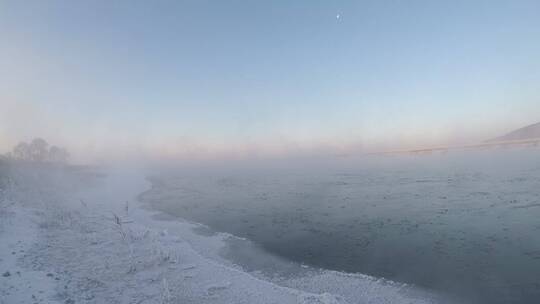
(68, 235)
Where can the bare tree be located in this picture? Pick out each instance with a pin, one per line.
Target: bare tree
(39, 149)
(58, 155)
(21, 151)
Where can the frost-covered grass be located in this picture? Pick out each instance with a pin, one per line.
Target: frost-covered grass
(102, 257)
(6, 185)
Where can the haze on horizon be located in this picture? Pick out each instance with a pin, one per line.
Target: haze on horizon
(194, 79)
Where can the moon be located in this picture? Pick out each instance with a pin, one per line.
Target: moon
(338, 16)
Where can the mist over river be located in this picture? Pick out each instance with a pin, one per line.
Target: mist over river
(464, 224)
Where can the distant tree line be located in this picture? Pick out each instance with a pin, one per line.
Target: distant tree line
(38, 150)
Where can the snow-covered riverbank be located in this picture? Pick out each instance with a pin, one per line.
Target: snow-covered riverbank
(69, 235)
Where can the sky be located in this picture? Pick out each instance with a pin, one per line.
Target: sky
(213, 79)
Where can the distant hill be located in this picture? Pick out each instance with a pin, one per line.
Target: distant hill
(528, 132)
(526, 136)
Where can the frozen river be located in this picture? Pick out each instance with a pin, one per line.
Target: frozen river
(464, 224)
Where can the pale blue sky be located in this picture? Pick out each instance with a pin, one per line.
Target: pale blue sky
(264, 77)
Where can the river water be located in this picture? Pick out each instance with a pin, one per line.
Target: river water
(465, 224)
